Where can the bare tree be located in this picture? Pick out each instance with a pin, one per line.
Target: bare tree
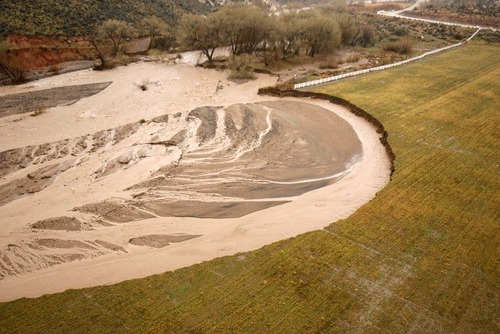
(154, 27)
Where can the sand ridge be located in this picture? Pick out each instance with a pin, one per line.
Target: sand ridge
(235, 175)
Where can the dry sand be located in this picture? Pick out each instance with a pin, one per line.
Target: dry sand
(128, 183)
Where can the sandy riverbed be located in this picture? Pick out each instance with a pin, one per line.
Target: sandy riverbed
(127, 183)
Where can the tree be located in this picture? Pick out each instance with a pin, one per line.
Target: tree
(348, 27)
(201, 33)
(244, 27)
(269, 49)
(332, 7)
(116, 31)
(154, 27)
(288, 36)
(106, 63)
(319, 33)
(11, 65)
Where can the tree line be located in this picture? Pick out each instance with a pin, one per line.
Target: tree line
(248, 30)
(244, 29)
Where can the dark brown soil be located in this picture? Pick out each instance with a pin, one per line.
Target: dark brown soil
(47, 98)
(160, 240)
(59, 243)
(199, 209)
(59, 223)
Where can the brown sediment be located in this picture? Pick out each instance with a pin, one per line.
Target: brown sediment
(274, 91)
(34, 182)
(47, 98)
(58, 223)
(208, 117)
(229, 162)
(160, 240)
(200, 209)
(116, 211)
(110, 246)
(60, 243)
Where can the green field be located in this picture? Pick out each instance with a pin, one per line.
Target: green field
(422, 257)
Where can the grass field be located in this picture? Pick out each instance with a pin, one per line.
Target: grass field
(422, 257)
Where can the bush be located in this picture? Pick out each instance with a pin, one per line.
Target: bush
(11, 65)
(403, 46)
(38, 111)
(406, 45)
(353, 58)
(240, 67)
(55, 69)
(144, 85)
(390, 46)
(401, 32)
(330, 63)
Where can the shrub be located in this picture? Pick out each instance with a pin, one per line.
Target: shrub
(406, 45)
(55, 69)
(401, 32)
(330, 63)
(390, 46)
(353, 58)
(240, 67)
(403, 46)
(144, 85)
(38, 111)
(14, 67)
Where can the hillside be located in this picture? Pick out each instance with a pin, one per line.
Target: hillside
(476, 12)
(79, 17)
(481, 7)
(69, 18)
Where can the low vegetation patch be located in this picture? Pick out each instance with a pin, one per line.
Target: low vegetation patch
(403, 46)
(240, 68)
(38, 111)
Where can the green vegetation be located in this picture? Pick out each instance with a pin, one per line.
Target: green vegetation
(154, 28)
(481, 7)
(240, 67)
(81, 18)
(429, 35)
(54, 18)
(421, 257)
(116, 31)
(250, 30)
(475, 12)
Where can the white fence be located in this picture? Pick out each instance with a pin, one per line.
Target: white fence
(379, 68)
